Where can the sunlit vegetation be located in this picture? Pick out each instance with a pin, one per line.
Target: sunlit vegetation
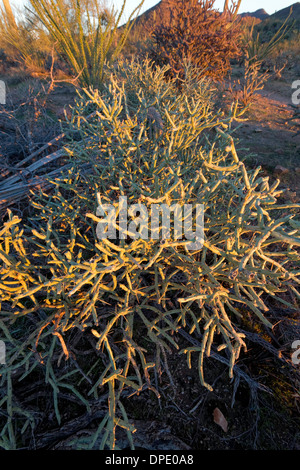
(91, 323)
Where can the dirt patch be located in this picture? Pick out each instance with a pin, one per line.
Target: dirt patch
(269, 138)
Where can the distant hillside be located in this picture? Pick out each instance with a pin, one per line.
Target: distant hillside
(261, 14)
(282, 14)
(160, 10)
(270, 25)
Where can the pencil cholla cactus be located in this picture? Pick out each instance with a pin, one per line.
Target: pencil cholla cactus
(195, 30)
(128, 298)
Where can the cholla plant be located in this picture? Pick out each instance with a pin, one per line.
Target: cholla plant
(123, 300)
(196, 31)
(86, 34)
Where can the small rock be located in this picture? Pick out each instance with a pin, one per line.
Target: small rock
(281, 170)
(290, 196)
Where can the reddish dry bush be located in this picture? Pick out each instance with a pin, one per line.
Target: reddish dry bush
(194, 30)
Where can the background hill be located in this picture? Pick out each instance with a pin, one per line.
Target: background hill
(282, 14)
(261, 14)
(161, 10)
(272, 23)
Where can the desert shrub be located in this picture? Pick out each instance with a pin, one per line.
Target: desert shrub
(196, 31)
(286, 53)
(258, 49)
(123, 299)
(255, 56)
(23, 39)
(276, 42)
(149, 81)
